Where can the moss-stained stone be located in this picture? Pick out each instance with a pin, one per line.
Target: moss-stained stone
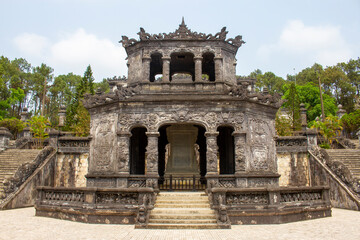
(293, 168)
(71, 170)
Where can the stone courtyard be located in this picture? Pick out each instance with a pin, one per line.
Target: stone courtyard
(22, 224)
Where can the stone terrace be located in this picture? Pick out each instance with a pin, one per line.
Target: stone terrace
(22, 223)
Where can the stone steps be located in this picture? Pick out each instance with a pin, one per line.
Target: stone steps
(12, 159)
(349, 157)
(182, 210)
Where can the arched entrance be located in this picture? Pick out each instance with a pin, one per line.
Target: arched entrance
(182, 157)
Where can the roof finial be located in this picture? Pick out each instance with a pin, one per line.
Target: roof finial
(183, 22)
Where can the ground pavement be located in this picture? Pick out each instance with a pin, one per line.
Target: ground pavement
(23, 224)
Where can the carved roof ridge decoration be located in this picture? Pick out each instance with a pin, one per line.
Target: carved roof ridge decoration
(239, 91)
(182, 33)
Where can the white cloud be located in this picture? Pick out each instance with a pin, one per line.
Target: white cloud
(75, 51)
(322, 44)
(31, 44)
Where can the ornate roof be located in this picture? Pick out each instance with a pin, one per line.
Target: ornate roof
(182, 33)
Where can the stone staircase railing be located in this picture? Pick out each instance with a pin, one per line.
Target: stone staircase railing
(96, 205)
(25, 174)
(267, 205)
(339, 173)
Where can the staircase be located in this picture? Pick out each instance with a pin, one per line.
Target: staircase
(11, 159)
(355, 142)
(182, 210)
(349, 157)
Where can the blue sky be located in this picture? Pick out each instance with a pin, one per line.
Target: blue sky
(280, 35)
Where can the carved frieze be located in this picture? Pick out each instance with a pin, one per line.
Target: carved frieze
(300, 196)
(247, 198)
(117, 198)
(211, 120)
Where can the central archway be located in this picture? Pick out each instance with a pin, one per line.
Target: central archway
(182, 150)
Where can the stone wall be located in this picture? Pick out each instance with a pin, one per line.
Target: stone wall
(294, 169)
(293, 161)
(71, 169)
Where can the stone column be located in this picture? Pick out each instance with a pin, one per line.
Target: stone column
(123, 158)
(26, 131)
(240, 158)
(53, 138)
(151, 162)
(218, 69)
(24, 115)
(341, 112)
(146, 69)
(212, 171)
(166, 69)
(5, 136)
(240, 154)
(198, 68)
(62, 116)
(303, 117)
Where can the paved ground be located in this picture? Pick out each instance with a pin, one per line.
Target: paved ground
(22, 224)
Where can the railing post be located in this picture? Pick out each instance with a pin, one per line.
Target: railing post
(194, 186)
(170, 183)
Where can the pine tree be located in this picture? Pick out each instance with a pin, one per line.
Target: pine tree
(75, 113)
(293, 105)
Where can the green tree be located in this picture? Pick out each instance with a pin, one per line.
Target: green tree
(336, 83)
(14, 125)
(309, 94)
(351, 122)
(75, 111)
(38, 126)
(283, 125)
(352, 70)
(269, 80)
(329, 129)
(61, 92)
(42, 77)
(309, 75)
(293, 106)
(103, 86)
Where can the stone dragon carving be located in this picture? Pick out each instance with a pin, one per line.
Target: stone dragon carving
(120, 93)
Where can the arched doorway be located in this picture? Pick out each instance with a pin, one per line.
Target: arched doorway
(138, 143)
(182, 156)
(225, 142)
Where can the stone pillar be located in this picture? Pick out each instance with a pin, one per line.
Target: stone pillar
(311, 135)
(5, 136)
(53, 138)
(218, 69)
(166, 69)
(24, 115)
(62, 116)
(152, 158)
(341, 112)
(303, 117)
(123, 158)
(240, 154)
(212, 161)
(26, 131)
(198, 69)
(146, 69)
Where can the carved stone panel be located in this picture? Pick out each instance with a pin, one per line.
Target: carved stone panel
(103, 152)
(211, 152)
(262, 145)
(123, 152)
(152, 152)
